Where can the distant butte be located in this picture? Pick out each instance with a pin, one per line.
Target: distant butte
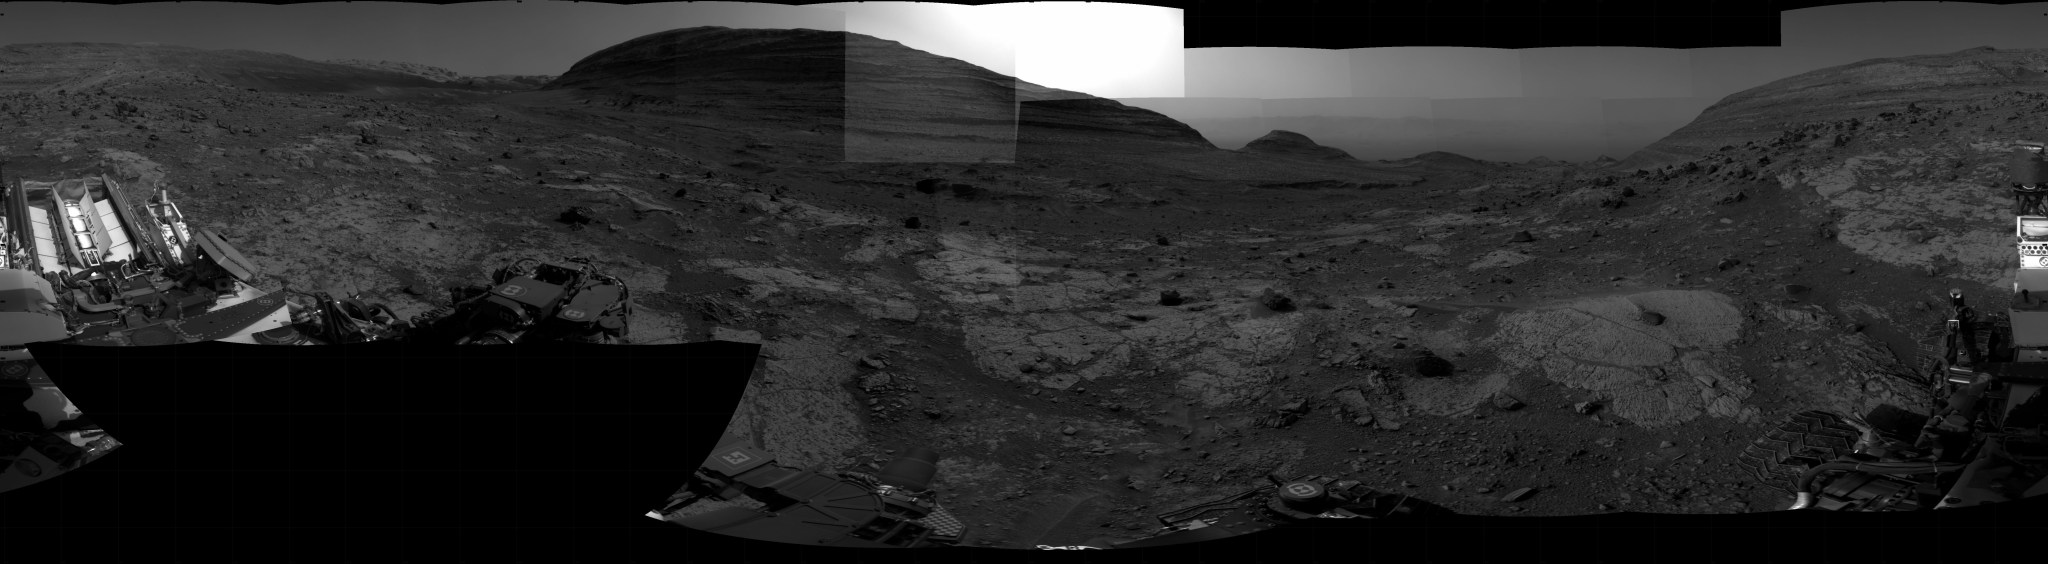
(1281, 142)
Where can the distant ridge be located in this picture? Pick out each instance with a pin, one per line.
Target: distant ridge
(429, 72)
(1281, 142)
(36, 67)
(1841, 92)
(1442, 157)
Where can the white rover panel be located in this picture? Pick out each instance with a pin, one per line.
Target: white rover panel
(2029, 312)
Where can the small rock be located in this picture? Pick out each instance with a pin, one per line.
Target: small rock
(1506, 402)
(416, 289)
(1585, 407)
(913, 223)
(1796, 290)
(1727, 263)
(1276, 301)
(1171, 298)
(577, 216)
(1069, 430)
(1666, 444)
(1652, 318)
(930, 185)
(1163, 242)
(1518, 495)
(873, 363)
(874, 381)
(1522, 237)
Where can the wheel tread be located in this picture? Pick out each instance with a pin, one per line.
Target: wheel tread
(1804, 440)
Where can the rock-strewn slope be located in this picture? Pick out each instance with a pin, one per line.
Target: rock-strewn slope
(1862, 88)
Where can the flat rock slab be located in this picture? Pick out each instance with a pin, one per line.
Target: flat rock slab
(1427, 249)
(1500, 259)
(1453, 395)
(735, 335)
(1655, 375)
(1898, 193)
(799, 409)
(640, 200)
(125, 165)
(407, 157)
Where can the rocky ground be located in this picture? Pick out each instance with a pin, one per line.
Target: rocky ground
(1615, 358)
(1089, 340)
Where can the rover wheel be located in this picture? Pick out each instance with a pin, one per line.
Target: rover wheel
(1803, 441)
(28, 467)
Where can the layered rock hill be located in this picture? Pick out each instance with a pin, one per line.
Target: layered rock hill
(853, 81)
(1842, 92)
(49, 67)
